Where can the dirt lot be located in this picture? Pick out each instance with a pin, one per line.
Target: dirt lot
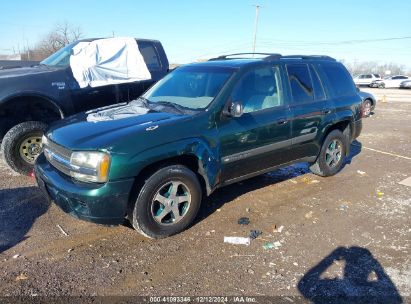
(347, 234)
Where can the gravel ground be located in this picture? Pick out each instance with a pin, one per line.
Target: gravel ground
(346, 234)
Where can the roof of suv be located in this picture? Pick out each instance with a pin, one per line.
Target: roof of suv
(237, 62)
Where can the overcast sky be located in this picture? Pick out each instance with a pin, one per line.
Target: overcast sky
(190, 29)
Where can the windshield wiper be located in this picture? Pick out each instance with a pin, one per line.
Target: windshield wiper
(179, 108)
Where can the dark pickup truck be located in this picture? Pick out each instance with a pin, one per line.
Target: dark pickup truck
(33, 97)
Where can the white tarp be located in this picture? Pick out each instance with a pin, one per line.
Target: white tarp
(108, 61)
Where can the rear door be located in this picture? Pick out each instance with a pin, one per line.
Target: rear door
(309, 108)
(260, 137)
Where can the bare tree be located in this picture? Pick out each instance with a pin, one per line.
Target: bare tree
(61, 35)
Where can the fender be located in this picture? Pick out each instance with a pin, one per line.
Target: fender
(209, 166)
(338, 117)
(33, 94)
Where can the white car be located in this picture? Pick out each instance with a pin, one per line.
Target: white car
(392, 81)
(366, 79)
(405, 84)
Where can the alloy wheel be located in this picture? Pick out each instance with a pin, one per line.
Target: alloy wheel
(333, 153)
(171, 203)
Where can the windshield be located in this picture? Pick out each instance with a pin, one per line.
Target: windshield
(61, 57)
(189, 87)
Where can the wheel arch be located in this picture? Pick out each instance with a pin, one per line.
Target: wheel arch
(30, 97)
(345, 125)
(192, 153)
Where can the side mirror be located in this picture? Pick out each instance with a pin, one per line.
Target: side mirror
(235, 109)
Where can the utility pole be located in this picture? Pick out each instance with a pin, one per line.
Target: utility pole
(257, 10)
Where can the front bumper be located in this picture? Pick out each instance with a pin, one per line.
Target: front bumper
(97, 203)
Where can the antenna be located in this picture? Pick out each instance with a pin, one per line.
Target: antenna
(257, 11)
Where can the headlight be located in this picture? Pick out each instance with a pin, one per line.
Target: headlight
(90, 166)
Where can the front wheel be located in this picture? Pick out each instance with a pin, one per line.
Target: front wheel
(21, 145)
(332, 154)
(167, 203)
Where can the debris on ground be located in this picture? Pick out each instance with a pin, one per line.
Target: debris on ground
(70, 250)
(16, 256)
(62, 230)
(309, 214)
(279, 229)
(236, 240)
(243, 221)
(242, 255)
(21, 277)
(343, 207)
(314, 181)
(272, 245)
(406, 182)
(248, 210)
(255, 234)
(361, 172)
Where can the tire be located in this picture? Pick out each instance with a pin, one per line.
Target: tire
(156, 220)
(21, 145)
(381, 86)
(321, 166)
(367, 106)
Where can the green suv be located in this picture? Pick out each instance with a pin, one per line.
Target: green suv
(203, 126)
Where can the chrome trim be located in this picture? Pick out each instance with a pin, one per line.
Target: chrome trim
(256, 151)
(268, 148)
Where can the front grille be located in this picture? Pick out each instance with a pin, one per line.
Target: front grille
(58, 156)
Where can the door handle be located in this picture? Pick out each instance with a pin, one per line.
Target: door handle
(282, 121)
(327, 111)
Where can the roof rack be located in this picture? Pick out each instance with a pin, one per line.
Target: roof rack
(225, 57)
(273, 56)
(310, 57)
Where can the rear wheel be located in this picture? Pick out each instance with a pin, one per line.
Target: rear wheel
(332, 154)
(381, 86)
(167, 203)
(21, 145)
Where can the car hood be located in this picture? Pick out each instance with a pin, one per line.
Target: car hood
(25, 71)
(85, 131)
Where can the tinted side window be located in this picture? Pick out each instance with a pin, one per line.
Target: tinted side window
(339, 79)
(300, 82)
(318, 88)
(259, 89)
(150, 55)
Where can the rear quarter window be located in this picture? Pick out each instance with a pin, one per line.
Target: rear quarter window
(339, 79)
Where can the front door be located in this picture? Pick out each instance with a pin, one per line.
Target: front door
(87, 98)
(259, 138)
